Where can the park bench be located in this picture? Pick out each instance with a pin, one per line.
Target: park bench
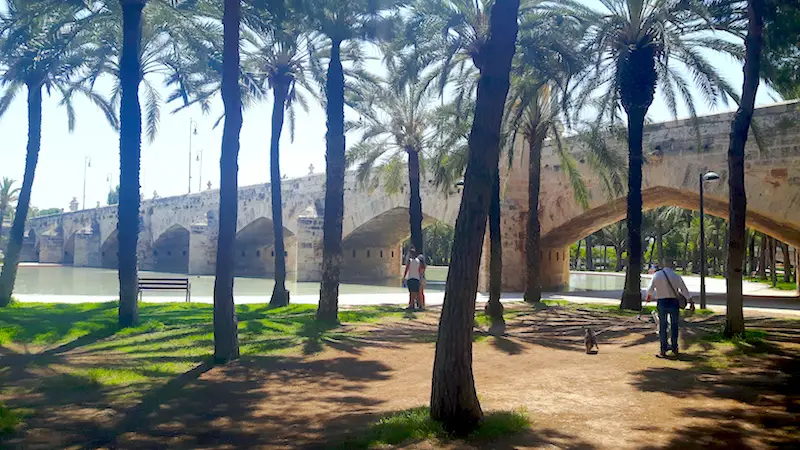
(165, 284)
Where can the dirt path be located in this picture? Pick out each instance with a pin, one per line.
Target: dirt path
(621, 398)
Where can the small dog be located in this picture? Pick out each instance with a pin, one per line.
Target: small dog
(590, 340)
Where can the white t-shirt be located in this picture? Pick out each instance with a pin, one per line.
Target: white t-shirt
(413, 269)
(662, 287)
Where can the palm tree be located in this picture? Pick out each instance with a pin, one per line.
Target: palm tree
(397, 126)
(226, 335)
(8, 195)
(639, 45)
(280, 63)
(548, 58)
(454, 401)
(616, 236)
(39, 49)
(340, 22)
(130, 143)
(740, 127)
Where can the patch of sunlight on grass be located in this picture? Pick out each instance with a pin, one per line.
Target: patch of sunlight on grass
(416, 425)
(370, 313)
(112, 377)
(150, 326)
(482, 319)
(9, 419)
(555, 302)
(502, 423)
(48, 323)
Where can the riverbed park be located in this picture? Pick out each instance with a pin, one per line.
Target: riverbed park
(369, 224)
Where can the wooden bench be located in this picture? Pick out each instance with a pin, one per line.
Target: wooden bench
(165, 284)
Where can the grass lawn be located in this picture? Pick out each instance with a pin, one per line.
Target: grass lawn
(171, 339)
(70, 378)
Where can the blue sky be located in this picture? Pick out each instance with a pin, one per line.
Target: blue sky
(165, 162)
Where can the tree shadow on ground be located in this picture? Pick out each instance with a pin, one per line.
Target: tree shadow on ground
(762, 377)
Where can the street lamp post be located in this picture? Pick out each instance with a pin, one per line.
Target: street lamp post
(200, 171)
(87, 162)
(708, 176)
(192, 131)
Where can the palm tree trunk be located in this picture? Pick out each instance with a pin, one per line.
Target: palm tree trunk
(415, 202)
(226, 335)
(773, 263)
(130, 143)
(652, 252)
(620, 265)
(334, 189)
(533, 260)
(686, 257)
(577, 262)
(787, 263)
(716, 252)
(494, 308)
(632, 296)
(454, 401)
(762, 258)
(589, 256)
(17, 235)
(605, 257)
(752, 255)
(660, 244)
(280, 296)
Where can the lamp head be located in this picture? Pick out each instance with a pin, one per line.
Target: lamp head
(710, 176)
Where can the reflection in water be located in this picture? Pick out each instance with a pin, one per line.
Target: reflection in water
(58, 280)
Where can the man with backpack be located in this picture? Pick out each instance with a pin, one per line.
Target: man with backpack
(672, 295)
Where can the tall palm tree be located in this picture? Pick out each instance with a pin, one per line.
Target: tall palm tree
(281, 63)
(226, 335)
(397, 127)
(734, 317)
(8, 195)
(130, 144)
(640, 45)
(40, 48)
(339, 22)
(548, 56)
(454, 401)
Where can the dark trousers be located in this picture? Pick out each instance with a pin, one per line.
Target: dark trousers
(668, 307)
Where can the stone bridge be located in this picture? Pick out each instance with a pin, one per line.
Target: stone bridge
(178, 234)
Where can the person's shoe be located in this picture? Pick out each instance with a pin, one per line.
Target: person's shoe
(675, 352)
(661, 355)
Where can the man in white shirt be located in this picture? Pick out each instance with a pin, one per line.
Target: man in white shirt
(668, 285)
(414, 272)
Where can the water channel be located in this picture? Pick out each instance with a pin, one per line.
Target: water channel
(41, 279)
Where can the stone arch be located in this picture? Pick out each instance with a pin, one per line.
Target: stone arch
(171, 250)
(255, 251)
(373, 250)
(68, 256)
(614, 211)
(109, 251)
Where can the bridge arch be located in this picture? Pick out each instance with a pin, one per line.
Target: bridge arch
(109, 251)
(612, 212)
(255, 249)
(171, 250)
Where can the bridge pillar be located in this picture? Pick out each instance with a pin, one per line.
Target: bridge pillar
(555, 268)
(87, 249)
(51, 249)
(203, 248)
(29, 252)
(309, 249)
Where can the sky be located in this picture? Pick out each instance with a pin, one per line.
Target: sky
(166, 161)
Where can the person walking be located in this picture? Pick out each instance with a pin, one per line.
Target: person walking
(669, 289)
(411, 278)
(422, 281)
